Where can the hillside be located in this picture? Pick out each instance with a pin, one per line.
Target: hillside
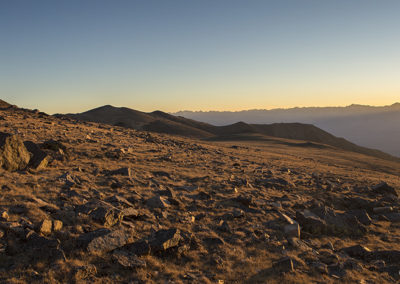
(85, 202)
(373, 127)
(166, 123)
(4, 104)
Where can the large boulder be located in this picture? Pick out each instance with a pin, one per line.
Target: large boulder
(13, 154)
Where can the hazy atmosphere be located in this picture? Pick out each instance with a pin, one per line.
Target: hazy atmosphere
(70, 56)
(199, 142)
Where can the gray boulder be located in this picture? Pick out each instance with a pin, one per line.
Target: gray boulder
(13, 154)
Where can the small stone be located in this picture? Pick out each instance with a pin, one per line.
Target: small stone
(292, 230)
(381, 210)
(57, 225)
(106, 215)
(328, 257)
(357, 251)
(45, 227)
(320, 267)
(237, 213)
(384, 188)
(311, 224)
(165, 239)
(130, 212)
(158, 202)
(4, 215)
(299, 244)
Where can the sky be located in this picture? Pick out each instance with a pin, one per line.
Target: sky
(71, 56)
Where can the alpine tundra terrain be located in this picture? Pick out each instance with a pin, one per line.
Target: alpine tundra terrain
(85, 202)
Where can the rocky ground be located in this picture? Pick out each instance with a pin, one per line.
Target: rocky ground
(85, 202)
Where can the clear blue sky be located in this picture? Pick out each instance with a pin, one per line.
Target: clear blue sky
(70, 56)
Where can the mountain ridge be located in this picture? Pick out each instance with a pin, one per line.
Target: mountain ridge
(368, 126)
(162, 122)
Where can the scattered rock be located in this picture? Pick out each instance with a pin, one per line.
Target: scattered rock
(53, 145)
(382, 210)
(292, 230)
(165, 239)
(325, 220)
(299, 244)
(110, 241)
(58, 149)
(39, 158)
(130, 212)
(311, 224)
(119, 200)
(84, 239)
(13, 153)
(4, 215)
(70, 180)
(158, 202)
(384, 188)
(45, 227)
(106, 216)
(320, 267)
(57, 225)
(357, 251)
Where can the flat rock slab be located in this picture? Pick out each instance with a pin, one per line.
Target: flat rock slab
(110, 241)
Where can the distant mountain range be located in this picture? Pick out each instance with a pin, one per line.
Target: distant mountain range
(369, 126)
(161, 122)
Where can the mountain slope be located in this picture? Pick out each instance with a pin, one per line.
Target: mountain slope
(118, 207)
(373, 127)
(166, 123)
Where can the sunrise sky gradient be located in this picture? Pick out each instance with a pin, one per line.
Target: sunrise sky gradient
(70, 56)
